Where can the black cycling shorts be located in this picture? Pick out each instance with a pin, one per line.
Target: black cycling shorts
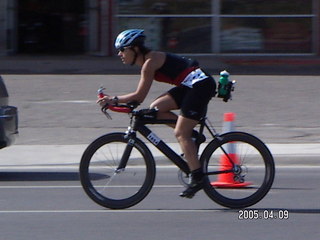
(193, 101)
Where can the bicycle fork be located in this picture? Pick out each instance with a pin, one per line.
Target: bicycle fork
(127, 151)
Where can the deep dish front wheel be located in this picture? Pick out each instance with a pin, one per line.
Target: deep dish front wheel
(111, 187)
(243, 183)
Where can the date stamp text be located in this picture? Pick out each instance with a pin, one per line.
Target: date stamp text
(268, 214)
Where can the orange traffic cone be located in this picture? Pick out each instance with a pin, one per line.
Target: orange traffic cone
(226, 180)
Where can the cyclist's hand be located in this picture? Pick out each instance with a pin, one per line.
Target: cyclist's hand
(105, 100)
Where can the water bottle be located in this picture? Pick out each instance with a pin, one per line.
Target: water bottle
(100, 92)
(223, 84)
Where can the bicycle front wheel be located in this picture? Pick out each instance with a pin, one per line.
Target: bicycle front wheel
(240, 170)
(109, 186)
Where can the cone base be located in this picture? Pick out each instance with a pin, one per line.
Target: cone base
(230, 184)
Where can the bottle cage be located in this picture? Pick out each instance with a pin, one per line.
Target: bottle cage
(228, 88)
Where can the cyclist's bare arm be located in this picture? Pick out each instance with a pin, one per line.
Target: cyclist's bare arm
(154, 61)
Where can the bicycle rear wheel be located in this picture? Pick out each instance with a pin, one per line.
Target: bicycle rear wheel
(248, 181)
(112, 188)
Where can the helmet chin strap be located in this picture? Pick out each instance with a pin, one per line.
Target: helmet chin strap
(135, 56)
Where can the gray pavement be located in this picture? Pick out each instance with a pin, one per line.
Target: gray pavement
(274, 99)
(290, 155)
(61, 109)
(58, 116)
(51, 205)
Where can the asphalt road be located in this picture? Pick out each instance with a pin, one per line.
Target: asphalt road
(48, 203)
(41, 194)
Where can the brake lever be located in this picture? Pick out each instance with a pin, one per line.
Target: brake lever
(104, 111)
(106, 106)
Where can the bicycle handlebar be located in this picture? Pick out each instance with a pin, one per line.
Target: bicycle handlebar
(122, 108)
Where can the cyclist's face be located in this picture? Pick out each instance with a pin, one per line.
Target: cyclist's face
(126, 55)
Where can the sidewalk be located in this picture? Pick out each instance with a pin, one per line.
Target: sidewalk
(83, 64)
(65, 155)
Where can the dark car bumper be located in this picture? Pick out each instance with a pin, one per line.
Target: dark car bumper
(8, 118)
(8, 125)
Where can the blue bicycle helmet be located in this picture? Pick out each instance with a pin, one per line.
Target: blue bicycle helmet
(130, 37)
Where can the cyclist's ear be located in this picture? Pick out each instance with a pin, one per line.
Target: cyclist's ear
(135, 48)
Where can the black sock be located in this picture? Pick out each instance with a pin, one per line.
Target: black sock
(197, 174)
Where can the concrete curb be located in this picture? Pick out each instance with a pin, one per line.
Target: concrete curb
(51, 155)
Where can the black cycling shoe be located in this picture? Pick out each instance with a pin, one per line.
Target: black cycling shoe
(192, 189)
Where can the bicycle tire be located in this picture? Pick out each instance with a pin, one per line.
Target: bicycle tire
(238, 190)
(116, 189)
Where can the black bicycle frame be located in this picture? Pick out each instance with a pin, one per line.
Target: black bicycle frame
(140, 126)
(164, 148)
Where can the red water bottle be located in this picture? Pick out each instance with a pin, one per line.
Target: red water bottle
(100, 92)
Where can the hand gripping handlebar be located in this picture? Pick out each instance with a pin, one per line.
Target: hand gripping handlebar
(122, 108)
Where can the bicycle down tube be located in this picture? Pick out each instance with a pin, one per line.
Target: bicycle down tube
(164, 148)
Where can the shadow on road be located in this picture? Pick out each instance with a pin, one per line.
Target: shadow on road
(39, 176)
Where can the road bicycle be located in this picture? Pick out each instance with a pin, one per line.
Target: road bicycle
(118, 170)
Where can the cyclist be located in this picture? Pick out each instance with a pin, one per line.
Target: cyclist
(192, 92)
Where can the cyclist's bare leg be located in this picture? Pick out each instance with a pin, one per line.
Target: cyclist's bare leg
(165, 103)
(183, 132)
(183, 128)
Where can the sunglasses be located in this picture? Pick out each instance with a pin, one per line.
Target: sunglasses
(122, 49)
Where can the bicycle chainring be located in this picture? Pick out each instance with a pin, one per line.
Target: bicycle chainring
(183, 178)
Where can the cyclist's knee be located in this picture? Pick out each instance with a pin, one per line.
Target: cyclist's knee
(154, 105)
(164, 103)
(182, 135)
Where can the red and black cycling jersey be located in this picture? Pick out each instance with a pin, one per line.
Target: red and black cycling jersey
(175, 69)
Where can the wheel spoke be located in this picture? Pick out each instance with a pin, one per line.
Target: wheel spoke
(246, 185)
(112, 187)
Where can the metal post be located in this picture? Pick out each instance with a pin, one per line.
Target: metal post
(100, 27)
(315, 27)
(215, 26)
